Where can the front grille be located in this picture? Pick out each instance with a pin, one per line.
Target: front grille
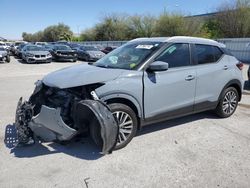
(37, 56)
(43, 56)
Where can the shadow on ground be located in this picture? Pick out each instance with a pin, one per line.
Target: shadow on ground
(84, 148)
(177, 122)
(80, 148)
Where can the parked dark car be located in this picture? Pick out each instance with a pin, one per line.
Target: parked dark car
(74, 46)
(18, 51)
(14, 46)
(62, 53)
(108, 49)
(89, 53)
(4, 55)
(248, 73)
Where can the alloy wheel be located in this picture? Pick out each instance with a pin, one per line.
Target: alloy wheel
(125, 123)
(229, 103)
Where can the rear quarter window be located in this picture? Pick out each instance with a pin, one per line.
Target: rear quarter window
(207, 54)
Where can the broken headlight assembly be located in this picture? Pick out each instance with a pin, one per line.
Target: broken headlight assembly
(53, 114)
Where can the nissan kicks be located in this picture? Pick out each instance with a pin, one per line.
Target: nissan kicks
(145, 81)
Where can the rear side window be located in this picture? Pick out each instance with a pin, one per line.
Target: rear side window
(176, 55)
(207, 54)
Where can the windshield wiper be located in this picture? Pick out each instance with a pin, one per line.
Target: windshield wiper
(105, 66)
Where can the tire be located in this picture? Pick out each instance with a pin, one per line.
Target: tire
(121, 110)
(228, 102)
(8, 59)
(248, 74)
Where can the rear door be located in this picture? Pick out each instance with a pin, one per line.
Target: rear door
(212, 75)
(170, 92)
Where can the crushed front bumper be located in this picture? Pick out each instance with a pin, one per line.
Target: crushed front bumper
(48, 125)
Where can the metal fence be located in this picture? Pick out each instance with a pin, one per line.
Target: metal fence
(240, 48)
(104, 43)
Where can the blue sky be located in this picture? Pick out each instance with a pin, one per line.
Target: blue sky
(30, 16)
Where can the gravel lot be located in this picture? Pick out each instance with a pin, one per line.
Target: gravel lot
(193, 151)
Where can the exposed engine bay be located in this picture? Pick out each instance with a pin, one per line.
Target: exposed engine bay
(53, 114)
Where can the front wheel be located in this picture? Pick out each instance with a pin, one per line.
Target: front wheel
(8, 59)
(228, 102)
(127, 122)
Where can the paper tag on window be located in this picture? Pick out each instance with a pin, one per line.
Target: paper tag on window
(148, 47)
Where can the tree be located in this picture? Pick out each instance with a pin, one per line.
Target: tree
(112, 27)
(57, 32)
(141, 26)
(169, 25)
(211, 28)
(234, 19)
(50, 34)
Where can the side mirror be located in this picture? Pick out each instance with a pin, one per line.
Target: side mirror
(158, 66)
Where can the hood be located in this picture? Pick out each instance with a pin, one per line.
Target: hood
(79, 75)
(38, 52)
(96, 52)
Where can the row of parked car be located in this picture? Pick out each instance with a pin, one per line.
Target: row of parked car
(56, 51)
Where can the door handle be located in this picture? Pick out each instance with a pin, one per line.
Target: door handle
(189, 77)
(225, 67)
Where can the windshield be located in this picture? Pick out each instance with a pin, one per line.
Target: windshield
(129, 56)
(62, 47)
(2, 49)
(34, 48)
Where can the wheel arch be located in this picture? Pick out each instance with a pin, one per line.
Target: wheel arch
(233, 83)
(127, 100)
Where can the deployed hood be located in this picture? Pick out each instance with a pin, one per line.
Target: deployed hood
(79, 75)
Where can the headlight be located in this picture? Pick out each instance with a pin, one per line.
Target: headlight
(39, 85)
(48, 55)
(30, 55)
(1, 55)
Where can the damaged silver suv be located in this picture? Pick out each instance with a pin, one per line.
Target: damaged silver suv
(145, 81)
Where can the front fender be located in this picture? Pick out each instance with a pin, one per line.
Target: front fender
(124, 96)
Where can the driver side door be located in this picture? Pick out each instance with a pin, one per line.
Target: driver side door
(170, 93)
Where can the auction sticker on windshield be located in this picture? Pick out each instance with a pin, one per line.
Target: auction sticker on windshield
(148, 47)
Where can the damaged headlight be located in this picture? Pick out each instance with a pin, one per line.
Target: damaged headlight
(39, 85)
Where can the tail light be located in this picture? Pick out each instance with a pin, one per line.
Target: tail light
(240, 65)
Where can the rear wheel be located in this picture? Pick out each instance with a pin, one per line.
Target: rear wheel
(127, 122)
(228, 102)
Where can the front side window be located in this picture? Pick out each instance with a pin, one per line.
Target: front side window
(207, 54)
(176, 55)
